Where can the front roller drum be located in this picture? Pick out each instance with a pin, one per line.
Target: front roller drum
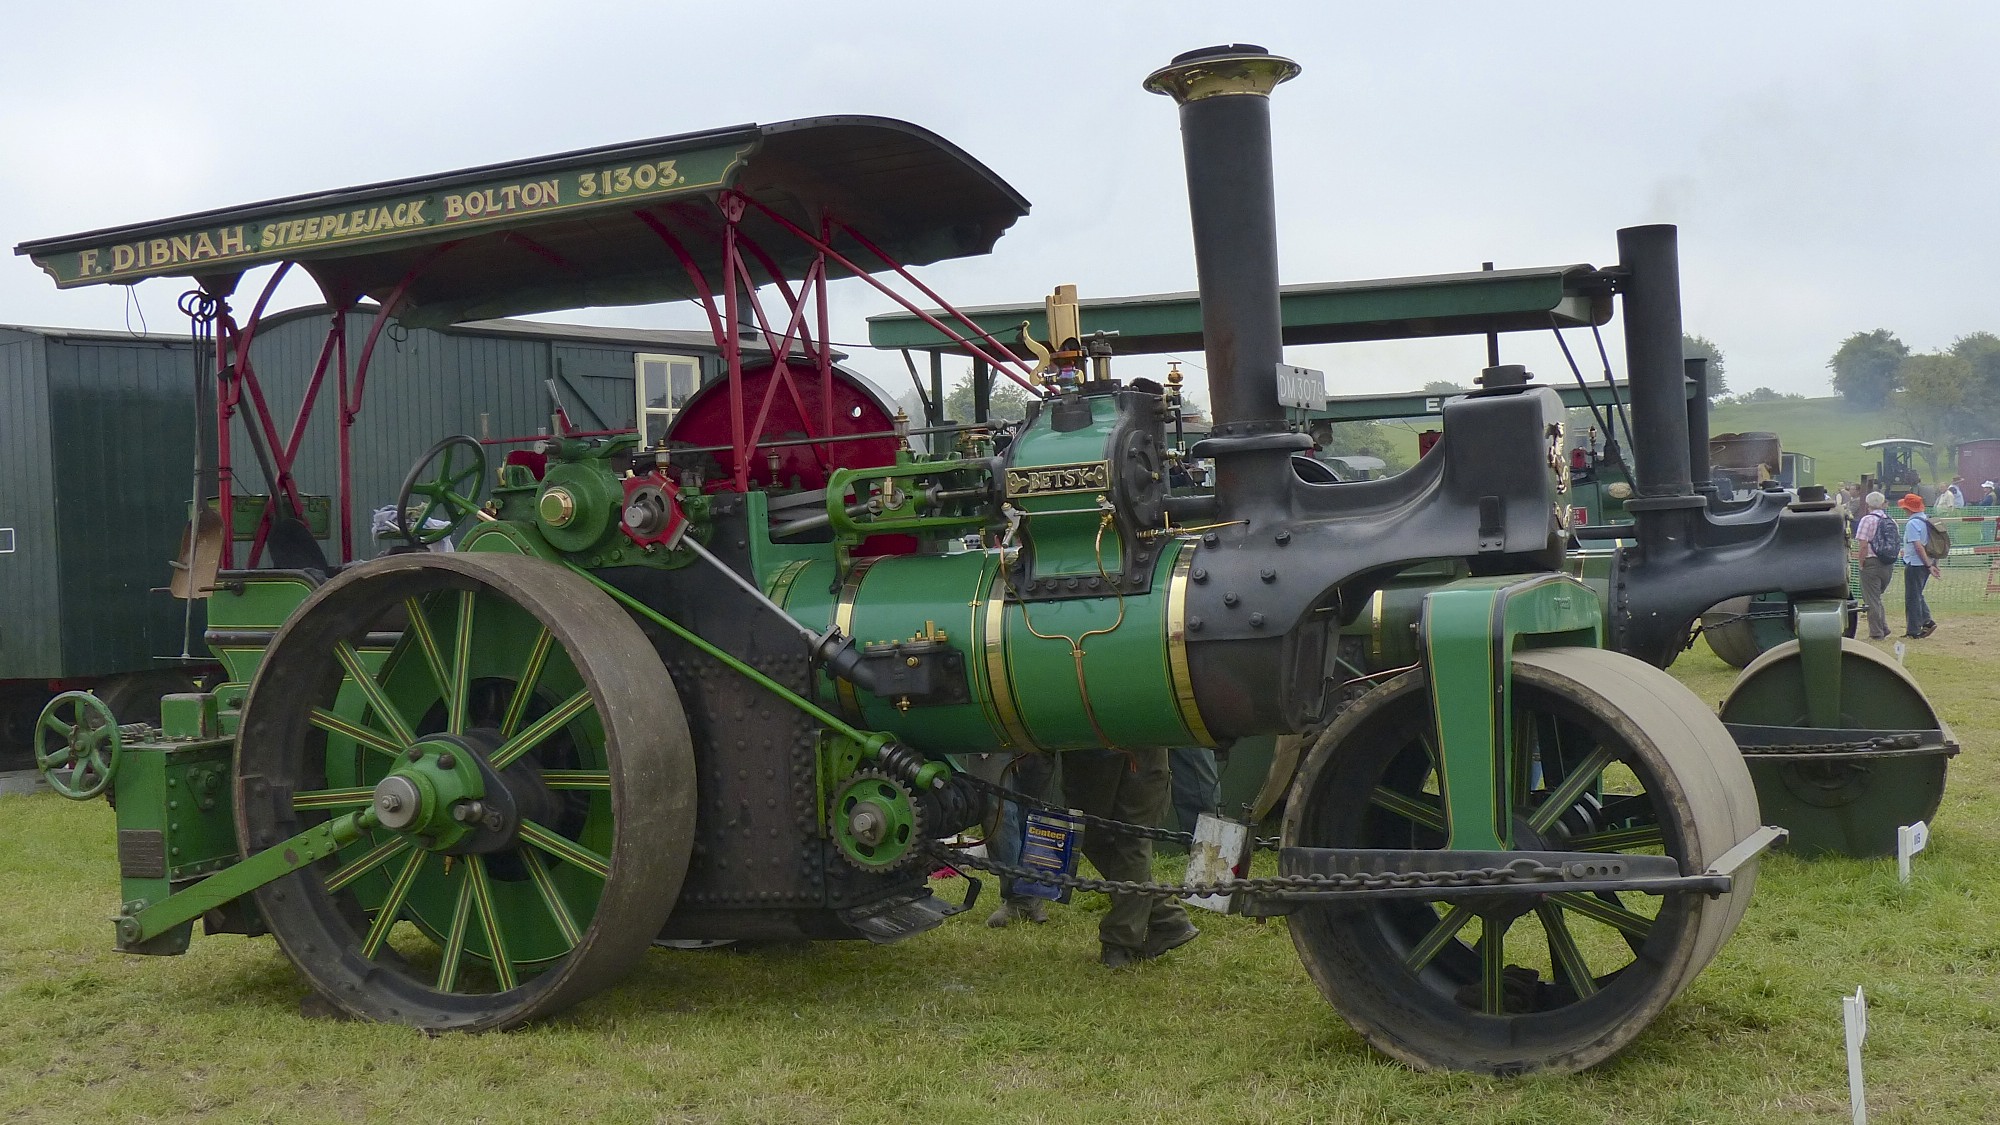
(530, 775)
(1610, 755)
(1843, 803)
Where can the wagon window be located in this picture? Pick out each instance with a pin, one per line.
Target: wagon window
(665, 383)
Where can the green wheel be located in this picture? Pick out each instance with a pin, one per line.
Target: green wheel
(450, 491)
(78, 745)
(1851, 805)
(1611, 755)
(528, 756)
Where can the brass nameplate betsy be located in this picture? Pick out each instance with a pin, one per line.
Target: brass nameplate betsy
(1054, 480)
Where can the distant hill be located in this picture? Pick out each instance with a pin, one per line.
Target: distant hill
(1821, 427)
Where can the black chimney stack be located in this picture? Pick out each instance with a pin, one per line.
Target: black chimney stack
(1699, 470)
(1224, 97)
(1660, 452)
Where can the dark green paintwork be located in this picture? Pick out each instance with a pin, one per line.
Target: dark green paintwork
(179, 789)
(385, 216)
(143, 923)
(1318, 313)
(1471, 628)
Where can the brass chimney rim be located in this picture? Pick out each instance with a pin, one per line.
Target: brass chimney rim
(1238, 68)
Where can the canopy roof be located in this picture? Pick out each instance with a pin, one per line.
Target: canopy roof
(571, 230)
(1448, 304)
(1418, 404)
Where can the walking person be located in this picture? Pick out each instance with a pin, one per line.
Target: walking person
(1880, 542)
(1918, 568)
(1132, 786)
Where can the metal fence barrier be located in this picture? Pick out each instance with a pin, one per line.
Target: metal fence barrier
(1970, 582)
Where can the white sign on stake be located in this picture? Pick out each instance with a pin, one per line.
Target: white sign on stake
(1901, 648)
(1910, 839)
(1855, 1009)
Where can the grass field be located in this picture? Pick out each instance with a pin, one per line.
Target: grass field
(973, 1024)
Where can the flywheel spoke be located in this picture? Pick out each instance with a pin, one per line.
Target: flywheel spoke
(375, 858)
(1573, 786)
(366, 736)
(524, 688)
(392, 906)
(350, 660)
(1568, 959)
(1426, 950)
(565, 849)
(1611, 914)
(461, 663)
(511, 750)
(559, 910)
(489, 921)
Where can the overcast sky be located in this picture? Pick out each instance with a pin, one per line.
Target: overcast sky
(1832, 166)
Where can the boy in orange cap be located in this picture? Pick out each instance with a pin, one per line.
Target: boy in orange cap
(1918, 568)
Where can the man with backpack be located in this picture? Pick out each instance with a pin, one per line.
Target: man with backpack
(1919, 567)
(1880, 541)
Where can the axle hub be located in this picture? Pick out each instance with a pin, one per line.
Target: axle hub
(427, 793)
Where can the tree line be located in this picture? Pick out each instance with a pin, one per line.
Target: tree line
(1943, 397)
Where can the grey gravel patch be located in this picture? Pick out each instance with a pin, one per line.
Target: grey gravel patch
(22, 782)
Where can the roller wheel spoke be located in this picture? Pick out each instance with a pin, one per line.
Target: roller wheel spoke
(1424, 813)
(1574, 786)
(1492, 948)
(1571, 968)
(1432, 943)
(1609, 913)
(1617, 840)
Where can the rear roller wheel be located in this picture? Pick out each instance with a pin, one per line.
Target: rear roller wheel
(1611, 755)
(529, 762)
(1852, 805)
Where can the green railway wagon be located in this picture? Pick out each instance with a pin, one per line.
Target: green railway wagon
(85, 526)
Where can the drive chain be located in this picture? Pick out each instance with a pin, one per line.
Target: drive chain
(1523, 870)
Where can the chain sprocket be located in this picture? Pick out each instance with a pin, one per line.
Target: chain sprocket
(876, 821)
